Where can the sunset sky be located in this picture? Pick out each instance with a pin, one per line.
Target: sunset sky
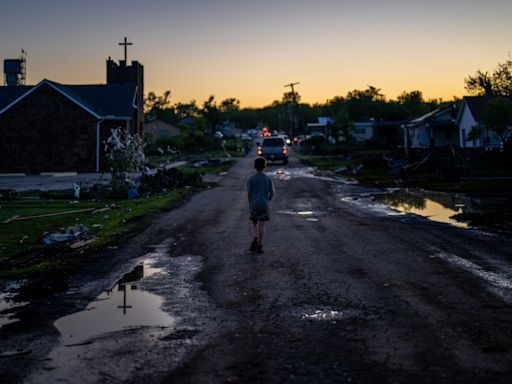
(250, 49)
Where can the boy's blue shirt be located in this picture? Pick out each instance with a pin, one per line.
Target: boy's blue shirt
(259, 186)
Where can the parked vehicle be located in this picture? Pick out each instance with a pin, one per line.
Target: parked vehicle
(274, 148)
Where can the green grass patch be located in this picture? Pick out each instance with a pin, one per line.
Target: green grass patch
(20, 240)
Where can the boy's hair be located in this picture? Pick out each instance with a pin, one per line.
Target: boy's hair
(260, 163)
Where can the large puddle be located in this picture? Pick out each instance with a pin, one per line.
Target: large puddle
(122, 307)
(436, 207)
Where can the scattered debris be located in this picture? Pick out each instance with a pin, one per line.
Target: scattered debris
(13, 218)
(132, 193)
(341, 170)
(198, 163)
(167, 179)
(77, 232)
(19, 218)
(76, 189)
(81, 243)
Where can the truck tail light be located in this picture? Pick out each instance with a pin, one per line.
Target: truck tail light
(284, 150)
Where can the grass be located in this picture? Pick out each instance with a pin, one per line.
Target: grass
(20, 241)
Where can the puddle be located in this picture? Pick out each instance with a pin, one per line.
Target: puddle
(328, 314)
(8, 304)
(308, 172)
(436, 207)
(120, 308)
(307, 215)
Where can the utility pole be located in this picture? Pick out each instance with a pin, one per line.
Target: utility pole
(292, 105)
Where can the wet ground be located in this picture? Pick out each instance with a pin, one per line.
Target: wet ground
(348, 289)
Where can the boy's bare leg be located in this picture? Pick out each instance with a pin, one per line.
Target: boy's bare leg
(255, 230)
(261, 232)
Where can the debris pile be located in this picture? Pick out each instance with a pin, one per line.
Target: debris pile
(78, 232)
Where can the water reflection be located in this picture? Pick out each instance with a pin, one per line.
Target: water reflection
(8, 305)
(122, 307)
(437, 207)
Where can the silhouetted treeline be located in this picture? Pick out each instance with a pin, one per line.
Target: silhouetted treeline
(358, 105)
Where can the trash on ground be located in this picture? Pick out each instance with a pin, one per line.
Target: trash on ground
(132, 193)
(13, 218)
(76, 232)
(76, 189)
(18, 217)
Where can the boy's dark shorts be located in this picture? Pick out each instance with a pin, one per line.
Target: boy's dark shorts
(259, 215)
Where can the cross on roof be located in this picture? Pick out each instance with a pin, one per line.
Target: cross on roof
(125, 43)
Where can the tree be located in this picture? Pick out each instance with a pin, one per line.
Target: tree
(412, 102)
(229, 105)
(211, 113)
(291, 97)
(152, 102)
(497, 83)
(344, 125)
(184, 110)
(365, 104)
(497, 116)
(228, 108)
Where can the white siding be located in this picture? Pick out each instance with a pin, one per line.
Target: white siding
(467, 121)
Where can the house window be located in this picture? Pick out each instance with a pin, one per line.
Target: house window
(464, 138)
(360, 131)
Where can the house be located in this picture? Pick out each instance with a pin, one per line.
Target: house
(323, 126)
(363, 130)
(156, 129)
(52, 127)
(435, 129)
(469, 116)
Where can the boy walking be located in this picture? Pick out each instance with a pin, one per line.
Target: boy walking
(260, 191)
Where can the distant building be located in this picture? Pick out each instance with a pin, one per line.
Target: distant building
(469, 116)
(157, 129)
(435, 129)
(52, 127)
(323, 126)
(363, 130)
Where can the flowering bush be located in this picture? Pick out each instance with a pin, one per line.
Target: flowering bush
(126, 160)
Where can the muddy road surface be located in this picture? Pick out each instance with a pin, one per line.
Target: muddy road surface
(345, 291)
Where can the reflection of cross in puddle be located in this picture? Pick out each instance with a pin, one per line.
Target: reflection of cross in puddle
(122, 287)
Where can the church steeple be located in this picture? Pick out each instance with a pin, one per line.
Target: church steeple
(123, 73)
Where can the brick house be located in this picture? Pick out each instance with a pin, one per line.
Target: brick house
(51, 127)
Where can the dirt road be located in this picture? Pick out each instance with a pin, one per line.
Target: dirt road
(344, 292)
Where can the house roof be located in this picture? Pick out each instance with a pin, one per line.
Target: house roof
(104, 101)
(9, 94)
(440, 116)
(476, 104)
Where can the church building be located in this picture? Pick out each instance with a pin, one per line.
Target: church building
(52, 127)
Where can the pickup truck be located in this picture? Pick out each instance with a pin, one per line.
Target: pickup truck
(274, 148)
